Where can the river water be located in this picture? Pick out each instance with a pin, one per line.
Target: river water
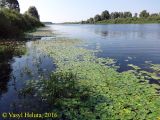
(127, 44)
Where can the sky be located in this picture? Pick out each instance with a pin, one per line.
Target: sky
(58, 11)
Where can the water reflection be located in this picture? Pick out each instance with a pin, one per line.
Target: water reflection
(107, 33)
(19, 62)
(102, 33)
(8, 50)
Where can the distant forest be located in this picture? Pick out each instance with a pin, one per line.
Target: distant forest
(123, 17)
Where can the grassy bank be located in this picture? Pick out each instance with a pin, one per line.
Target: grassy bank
(155, 19)
(14, 24)
(85, 87)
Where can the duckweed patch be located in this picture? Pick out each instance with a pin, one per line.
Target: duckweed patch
(134, 66)
(152, 73)
(155, 71)
(155, 67)
(85, 87)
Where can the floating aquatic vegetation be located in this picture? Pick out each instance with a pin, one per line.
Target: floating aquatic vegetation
(155, 67)
(39, 33)
(134, 66)
(154, 72)
(86, 87)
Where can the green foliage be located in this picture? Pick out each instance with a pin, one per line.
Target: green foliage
(144, 13)
(153, 74)
(14, 24)
(136, 15)
(134, 67)
(90, 20)
(114, 15)
(121, 15)
(127, 15)
(97, 18)
(154, 14)
(32, 11)
(85, 87)
(2, 3)
(9, 48)
(134, 20)
(11, 4)
(124, 18)
(105, 15)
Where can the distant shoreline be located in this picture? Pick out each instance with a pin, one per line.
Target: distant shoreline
(149, 20)
(103, 23)
(47, 23)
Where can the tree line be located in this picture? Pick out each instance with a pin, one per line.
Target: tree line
(14, 5)
(13, 23)
(107, 16)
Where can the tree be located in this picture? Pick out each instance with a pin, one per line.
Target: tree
(33, 12)
(121, 15)
(83, 22)
(97, 18)
(127, 14)
(105, 15)
(91, 20)
(11, 4)
(114, 15)
(154, 14)
(87, 21)
(144, 13)
(2, 3)
(136, 15)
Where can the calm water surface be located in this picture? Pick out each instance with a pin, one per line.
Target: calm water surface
(128, 44)
(15, 70)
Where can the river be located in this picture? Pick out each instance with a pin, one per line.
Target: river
(127, 44)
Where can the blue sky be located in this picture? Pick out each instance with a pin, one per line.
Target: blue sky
(77, 10)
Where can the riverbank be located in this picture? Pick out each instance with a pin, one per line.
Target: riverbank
(14, 24)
